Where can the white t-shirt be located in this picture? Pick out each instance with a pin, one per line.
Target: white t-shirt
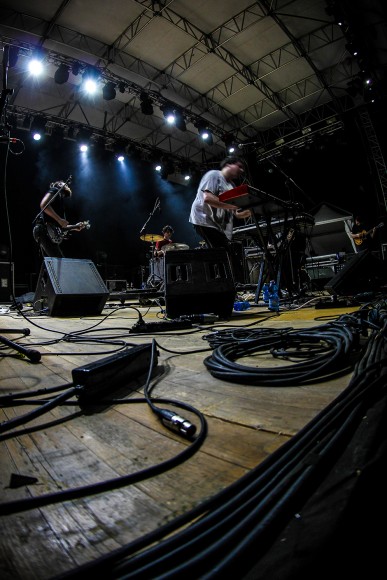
(202, 214)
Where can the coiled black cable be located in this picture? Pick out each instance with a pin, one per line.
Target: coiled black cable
(327, 350)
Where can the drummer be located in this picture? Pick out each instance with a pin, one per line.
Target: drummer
(167, 232)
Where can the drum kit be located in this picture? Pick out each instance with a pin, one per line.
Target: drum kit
(156, 265)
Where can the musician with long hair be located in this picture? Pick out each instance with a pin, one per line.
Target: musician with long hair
(49, 224)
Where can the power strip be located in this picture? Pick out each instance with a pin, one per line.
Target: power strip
(101, 377)
(160, 326)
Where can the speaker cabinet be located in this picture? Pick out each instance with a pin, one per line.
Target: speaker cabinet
(362, 273)
(198, 282)
(69, 287)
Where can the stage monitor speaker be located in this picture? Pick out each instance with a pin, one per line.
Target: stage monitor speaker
(198, 282)
(362, 273)
(68, 287)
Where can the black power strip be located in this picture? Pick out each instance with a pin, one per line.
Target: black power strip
(99, 378)
(160, 326)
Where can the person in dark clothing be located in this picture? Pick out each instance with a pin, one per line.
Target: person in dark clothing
(50, 228)
(362, 235)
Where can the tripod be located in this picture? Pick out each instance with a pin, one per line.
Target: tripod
(156, 271)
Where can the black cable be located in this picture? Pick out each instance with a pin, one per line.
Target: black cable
(332, 346)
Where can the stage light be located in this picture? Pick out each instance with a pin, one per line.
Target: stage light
(62, 74)
(83, 138)
(229, 141)
(35, 67)
(119, 149)
(109, 91)
(204, 132)
(165, 167)
(89, 79)
(38, 127)
(146, 104)
(169, 114)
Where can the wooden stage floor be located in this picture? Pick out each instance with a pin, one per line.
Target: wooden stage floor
(97, 470)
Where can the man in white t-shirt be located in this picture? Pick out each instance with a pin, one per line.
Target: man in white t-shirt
(212, 218)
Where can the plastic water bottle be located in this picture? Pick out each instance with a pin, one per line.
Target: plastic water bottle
(265, 292)
(241, 305)
(274, 298)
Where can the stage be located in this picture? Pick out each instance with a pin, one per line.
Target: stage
(92, 474)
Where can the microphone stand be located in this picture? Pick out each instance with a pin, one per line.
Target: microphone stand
(285, 244)
(151, 276)
(32, 355)
(156, 206)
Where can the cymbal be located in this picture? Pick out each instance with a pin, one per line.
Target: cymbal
(151, 238)
(173, 246)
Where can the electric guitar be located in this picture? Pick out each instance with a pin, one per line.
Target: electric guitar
(58, 234)
(364, 234)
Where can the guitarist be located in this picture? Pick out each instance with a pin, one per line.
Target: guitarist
(52, 208)
(362, 236)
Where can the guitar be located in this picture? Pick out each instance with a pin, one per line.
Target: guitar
(58, 234)
(364, 234)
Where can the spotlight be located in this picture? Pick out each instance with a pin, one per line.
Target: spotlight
(229, 142)
(38, 127)
(89, 79)
(119, 149)
(35, 67)
(62, 73)
(165, 167)
(146, 104)
(83, 138)
(169, 114)
(109, 91)
(204, 132)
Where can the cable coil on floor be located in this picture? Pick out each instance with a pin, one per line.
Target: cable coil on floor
(326, 350)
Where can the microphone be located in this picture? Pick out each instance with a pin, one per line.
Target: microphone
(5, 139)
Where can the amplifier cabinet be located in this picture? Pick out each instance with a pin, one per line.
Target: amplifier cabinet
(69, 287)
(198, 282)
